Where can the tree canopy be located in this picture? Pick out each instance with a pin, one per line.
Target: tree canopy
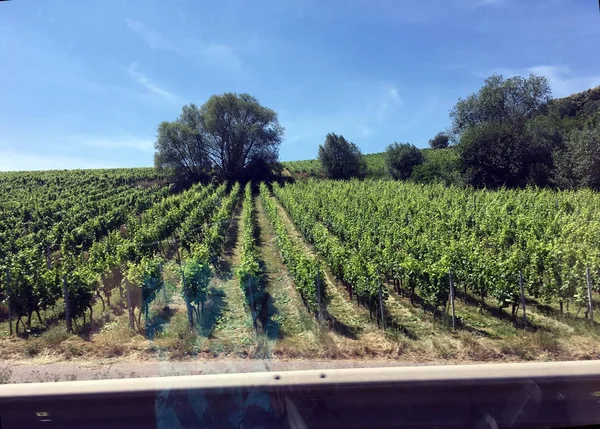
(497, 148)
(231, 136)
(341, 159)
(510, 101)
(401, 159)
(440, 141)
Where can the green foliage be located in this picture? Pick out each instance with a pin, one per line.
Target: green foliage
(357, 272)
(440, 141)
(217, 233)
(249, 272)
(440, 166)
(341, 159)
(305, 269)
(417, 233)
(492, 155)
(147, 275)
(579, 163)
(496, 147)
(508, 101)
(401, 159)
(181, 148)
(231, 135)
(196, 275)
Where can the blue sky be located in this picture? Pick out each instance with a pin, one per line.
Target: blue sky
(84, 84)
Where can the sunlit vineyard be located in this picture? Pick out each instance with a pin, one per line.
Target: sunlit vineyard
(317, 268)
(414, 236)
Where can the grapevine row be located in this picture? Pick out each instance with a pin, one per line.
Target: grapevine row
(304, 269)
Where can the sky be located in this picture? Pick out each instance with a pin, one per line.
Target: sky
(84, 84)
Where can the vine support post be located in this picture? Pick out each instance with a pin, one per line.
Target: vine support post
(67, 306)
(162, 282)
(48, 260)
(589, 288)
(452, 299)
(252, 309)
(523, 298)
(320, 303)
(188, 305)
(129, 309)
(381, 301)
(10, 324)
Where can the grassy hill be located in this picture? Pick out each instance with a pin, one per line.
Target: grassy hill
(440, 165)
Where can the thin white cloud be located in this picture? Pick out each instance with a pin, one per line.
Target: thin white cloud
(218, 54)
(153, 38)
(143, 80)
(18, 161)
(393, 92)
(390, 99)
(562, 79)
(202, 52)
(380, 102)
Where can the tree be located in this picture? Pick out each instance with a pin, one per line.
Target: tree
(498, 147)
(491, 156)
(509, 101)
(580, 162)
(231, 135)
(401, 159)
(341, 159)
(440, 141)
(181, 148)
(240, 131)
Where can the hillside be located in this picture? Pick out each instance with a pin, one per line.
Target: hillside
(312, 270)
(437, 162)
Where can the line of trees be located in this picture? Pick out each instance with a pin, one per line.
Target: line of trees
(510, 133)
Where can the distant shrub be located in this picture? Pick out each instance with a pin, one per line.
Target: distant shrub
(401, 159)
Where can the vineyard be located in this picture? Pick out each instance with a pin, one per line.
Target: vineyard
(107, 263)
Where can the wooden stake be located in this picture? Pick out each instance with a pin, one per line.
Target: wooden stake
(48, 261)
(589, 286)
(523, 298)
(381, 302)
(319, 297)
(10, 324)
(248, 286)
(452, 300)
(67, 306)
(162, 282)
(187, 303)
(129, 309)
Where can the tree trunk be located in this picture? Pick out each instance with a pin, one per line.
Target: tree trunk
(465, 293)
(37, 312)
(84, 321)
(412, 295)
(560, 303)
(17, 326)
(482, 300)
(91, 312)
(29, 319)
(102, 300)
(139, 319)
